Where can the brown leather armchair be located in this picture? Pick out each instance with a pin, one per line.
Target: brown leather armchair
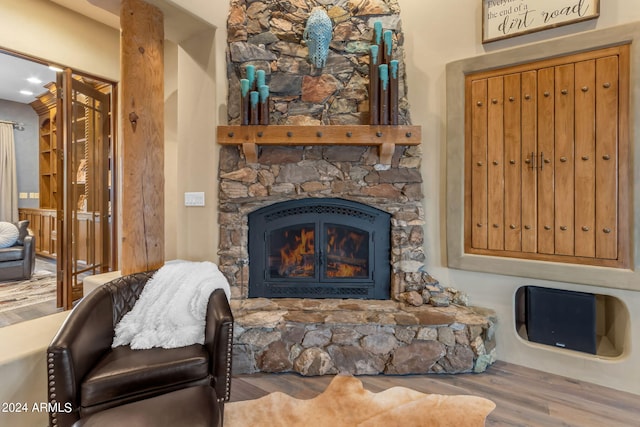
(86, 375)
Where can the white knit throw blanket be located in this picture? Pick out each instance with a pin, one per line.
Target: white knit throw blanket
(172, 307)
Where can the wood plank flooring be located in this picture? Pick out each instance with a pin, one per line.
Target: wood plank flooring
(524, 397)
(37, 310)
(30, 312)
(42, 309)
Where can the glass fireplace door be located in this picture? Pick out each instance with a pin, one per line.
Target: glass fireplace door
(346, 253)
(319, 248)
(292, 252)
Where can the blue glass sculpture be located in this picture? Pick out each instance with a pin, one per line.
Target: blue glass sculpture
(317, 34)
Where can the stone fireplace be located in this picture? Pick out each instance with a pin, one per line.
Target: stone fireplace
(282, 210)
(398, 334)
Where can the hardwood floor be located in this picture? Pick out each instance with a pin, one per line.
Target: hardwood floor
(37, 310)
(34, 311)
(524, 397)
(42, 309)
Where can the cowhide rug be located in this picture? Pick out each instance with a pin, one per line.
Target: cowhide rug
(345, 403)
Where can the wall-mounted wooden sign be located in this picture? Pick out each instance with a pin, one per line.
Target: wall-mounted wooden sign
(502, 19)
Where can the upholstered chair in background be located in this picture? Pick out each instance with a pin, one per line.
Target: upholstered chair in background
(18, 261)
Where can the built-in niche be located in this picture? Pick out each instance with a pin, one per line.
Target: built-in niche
(590, 323)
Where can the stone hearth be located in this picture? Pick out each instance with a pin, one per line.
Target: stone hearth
(318, 337)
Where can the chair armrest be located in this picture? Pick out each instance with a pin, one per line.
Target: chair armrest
(29, 262)
(218, 339)
(83, 338)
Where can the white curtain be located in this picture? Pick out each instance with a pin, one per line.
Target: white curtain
(8, 179)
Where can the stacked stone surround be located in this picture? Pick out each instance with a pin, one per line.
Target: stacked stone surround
(269, 35)
(423, 328)
(286, 173)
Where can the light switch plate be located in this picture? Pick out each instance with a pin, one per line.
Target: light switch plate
(194, 198)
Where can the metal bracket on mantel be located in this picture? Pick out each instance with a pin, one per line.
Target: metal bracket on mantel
(385, 137)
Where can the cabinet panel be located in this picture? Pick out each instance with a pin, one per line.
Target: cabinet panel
(564, 159)
(495, 154)
(529, 196)
(546, 144)
(585, 184)
(607, 157)
(48, 222)
(512, 171)
(48, 158)
(45, 235)
(42, 223)
(89, 243)
(478, 165)
(35, 224)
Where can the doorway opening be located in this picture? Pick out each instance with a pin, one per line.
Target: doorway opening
(66, 171)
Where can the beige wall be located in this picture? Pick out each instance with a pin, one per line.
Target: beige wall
(43, 29)
(197, 147)
(191, 162)
(171, 148)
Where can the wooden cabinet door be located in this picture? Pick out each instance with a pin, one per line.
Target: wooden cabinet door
(478, 170)
(528, 145)
(546, 148)
(544, 176)
(493, 165)
(607, 159)
(510, 168)
(85, 241)
(585, 171)
(564, 189)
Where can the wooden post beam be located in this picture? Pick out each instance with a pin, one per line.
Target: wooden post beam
(142, 118)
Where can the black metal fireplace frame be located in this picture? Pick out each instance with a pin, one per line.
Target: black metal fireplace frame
(320, 211)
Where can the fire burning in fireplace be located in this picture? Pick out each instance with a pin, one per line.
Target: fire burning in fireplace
(345, 255)
(297, 255)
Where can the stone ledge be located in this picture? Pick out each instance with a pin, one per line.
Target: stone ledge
(360, 337)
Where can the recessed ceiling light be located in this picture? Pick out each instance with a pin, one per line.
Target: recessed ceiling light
(34, 80)
(26, 92)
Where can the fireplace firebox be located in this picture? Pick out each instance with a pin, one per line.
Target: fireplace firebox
(319, 248)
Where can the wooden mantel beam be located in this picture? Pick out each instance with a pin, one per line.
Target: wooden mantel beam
(385, 137)
(142, 118)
